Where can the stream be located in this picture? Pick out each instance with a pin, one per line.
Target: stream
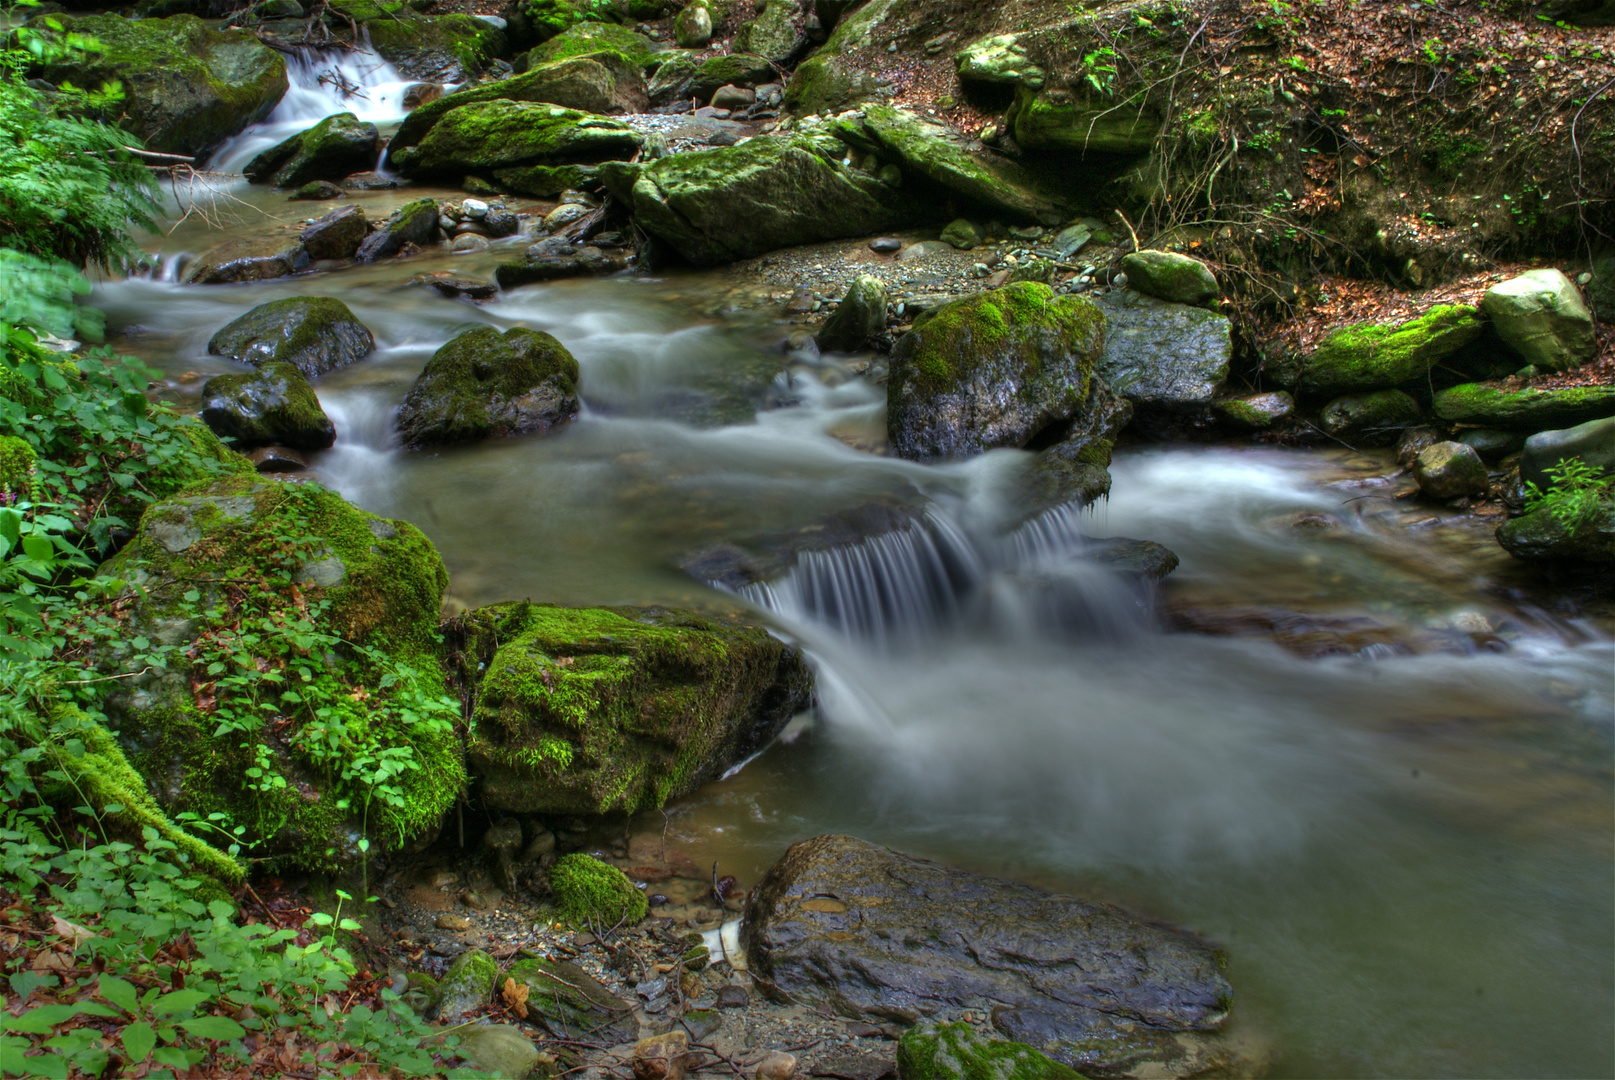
(1406, 850)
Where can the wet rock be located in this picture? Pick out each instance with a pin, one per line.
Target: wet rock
(277, 459)
(1490, 443)
(647, 703)
(1449, 469)
(963, 234)
(450, 48)
(733, 997)
(562, 260)
(1541, 316)
(368, 181)
(454, 287)
(1143, 559)
(776, 1065)
(497, 1051)
(1167, 275)
(274, 404)
(860, 316)
(991, 370)
(336, 147)
(1000, 60)
(469, 244)
(497, 134)
(316, 191)
(413, 223)
(885, 245)
(1071, 239)
(466, 986)
(960, 1052)
(872, 934)
(422, 93)
(847, 1063)
(1369, 419)
(734, 69)
(1255, 412)
(1163, 355)
(1369, 356)
(314, 334)
(486, 385)
(1592, 443)
(1530, 409)
(1553, 532)
(337, 235)
(661, 1057)
(1075, 469)
(254, 259)
(1412, 441)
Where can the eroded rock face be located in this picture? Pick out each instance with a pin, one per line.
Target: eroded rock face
(1163, 355)
(873, 934)
(599, 710)
(487, 385)
(991, 370)
(314, 334)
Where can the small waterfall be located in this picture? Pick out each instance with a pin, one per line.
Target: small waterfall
(323, 82)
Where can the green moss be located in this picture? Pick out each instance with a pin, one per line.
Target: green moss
(1369, 356)
(470, 385)
(468, 984)
(1529, 409)
(588, 892)
(959, 1052)
(336, 147)
(423, 44)
(273, 404)
(739, 69)
(19, 471)
(964, 332)
(312, 333)
(1543, 536)
(551, 17)
(546, 181)
(1059, 120)
(836, 76)
(500, 134)
(592, 37)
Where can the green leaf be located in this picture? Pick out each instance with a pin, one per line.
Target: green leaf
(213, 1027)
(40, 1019)
(121, 993)
(173, 1057)
(178, 1001)
(138, 1041)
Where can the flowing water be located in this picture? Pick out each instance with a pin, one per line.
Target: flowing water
(1405, 848)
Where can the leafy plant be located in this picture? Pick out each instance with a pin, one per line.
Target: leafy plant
(1099, 70)
(1574, 493)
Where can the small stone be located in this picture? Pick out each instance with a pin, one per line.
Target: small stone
(474, 209)
(885, 245)
(445, 879)
(316, 190)
(733, 997)
(475, 901)
(777, 1065)
(469, 244)
(663, 1057)
(733, 97)
(564, 215)
(1448, 470)
(456, 923)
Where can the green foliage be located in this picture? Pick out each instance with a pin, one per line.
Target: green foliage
(1099, 70)
(590, 893)
(1575, 490)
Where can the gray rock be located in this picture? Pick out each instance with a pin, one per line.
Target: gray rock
(277, 459)
(1171, 276)
(273, 405)
(412, 223)
(1255, 412)
(467, 985)
(924, 250)
(1071, 239)
(316, 191)
(1490, 443)
(1541, 316)
(1369, 419)
(732, 97)
(571, 1004)
(314, 334)
(337, 235)
(872, 934)
(498, 1051)
(692, 29)
(886, 245)
(1592, 443)
(1163, 355)
(256, 259)
(1076, 469)
(1001, 59)
(1449, 469)
(777, 33)
(860, 316)
(336, 147)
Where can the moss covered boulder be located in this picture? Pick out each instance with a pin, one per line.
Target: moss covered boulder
(415, 224)
(1560, 531)
(440, 48)
(600, 710)
(499, 134)
(1446, 470)
(795, 189)
(336, 147)
(1376, 419)
(1000, 59)
(960, 1052)
(1373, 356)
(187, 87)
(466, 986)
(776, 33)
(1075, 123)
(590, 893)
(730, 69)
(1168, 275)
(1254, 412)
(572, 1004)
(1161, 355)
(274, 404)
(337, 235)
(1541, 316)
(314, 334)
(19, 471)
(485, 384)
(837, 76)
(1527, 409)
(860, 316)
(991, 370)
(301, 652)
(1592, 444)
(590, 38)
(947, 158)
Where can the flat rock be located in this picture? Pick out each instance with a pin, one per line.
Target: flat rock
(1161, 354)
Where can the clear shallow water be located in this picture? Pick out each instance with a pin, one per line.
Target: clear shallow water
(1407, 853)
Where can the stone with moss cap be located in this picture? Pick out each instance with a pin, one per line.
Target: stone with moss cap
(336, 147)
(991, 370)
(1372, 356)
(1541, 316)
(1001, 59)
(860, 316)
(1566, 537)
(1527, 409)
(594, 37)
(466, 986)
(438, 48)
(1255, 412)
(19, 471)
(413, 223)
(730, 69)
(483, 384)
(500, 134)
(1446, 470)
(187, 87)
(837, 76)
(590, 893)
(314, 334)
(274, 404)
(692, 28)
(776, 33)
(795, 190)
(572, 1004)
(959, 1052)
(1072, 121)
(1168, 275)
(288, 552)
(601, 710)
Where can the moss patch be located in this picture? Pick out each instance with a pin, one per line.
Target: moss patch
(1528, 409)
(1371, 356)
(19, 471)
(959, 1052)
(592, 37)
(588, 892)
(499, 134)
(484, 384)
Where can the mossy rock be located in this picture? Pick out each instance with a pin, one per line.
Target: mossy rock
(590, 893)
(187, 87)
(499, 134)
(273, 405)
(1077, 468)
(730, 69)
(795, 188)
(836, 77)
(546, 181)
(1374, 356)
(991, 370)
(336, 147)
(1167, 275)
(466, 986)
(776, 33)
(572, 1004)
(253, 258)
(860, 316)
(1528, 409)
(959, 1052)
(1375, 419)
(1255, 412)
(275, 554)
(1563, 537)
(584, 39)
(1001, 59)
(19, 471)
(601, 710)
(552, 17)
(483, 384)
(413, 223)
(314, 334)
(1070, 121)
(438, 48)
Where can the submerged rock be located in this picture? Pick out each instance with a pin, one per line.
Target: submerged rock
(253, 259)
(1530, 409)
(486, 385)
(1449, 469)
(600, 710)
(1541, 316)
(1163, 355)
(872, 934)
(314, 334)
(991, 370)
(1371, 356)
(273, 405)
(1592, 444)
(336, 147)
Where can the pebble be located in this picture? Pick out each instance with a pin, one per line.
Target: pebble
(458, 923)
(733, 997)
(885, 245)
(776, 1065)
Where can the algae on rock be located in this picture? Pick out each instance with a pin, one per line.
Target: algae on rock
(499, 134)
(274, 404)
(588, 892)
(957, 1051)
(1376, 356)
(314, 334)
(336, 147)
(484, 384)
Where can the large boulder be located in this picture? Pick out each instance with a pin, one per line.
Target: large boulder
(484, 384)
(991, 370)
(413, 223)
(251, 259)
(1376, 419)
(501, 134)
(1374, 356)
(1076, 123)
(273, 405)
(314, 334)
(947, 158)
(776, 33)
(795, 190)
(186, 87)
(730, 69)
(449, 48)
(216, 730)
(843, 925)
(336, 147)
(1163, 355)
(839, 74)
(692, 29)
(1592, 444)
(860, 316)
(1529, 409)
(1556, 531)
(1541, 316)
(1168, 275)
(603, 710)
(1446, 470)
